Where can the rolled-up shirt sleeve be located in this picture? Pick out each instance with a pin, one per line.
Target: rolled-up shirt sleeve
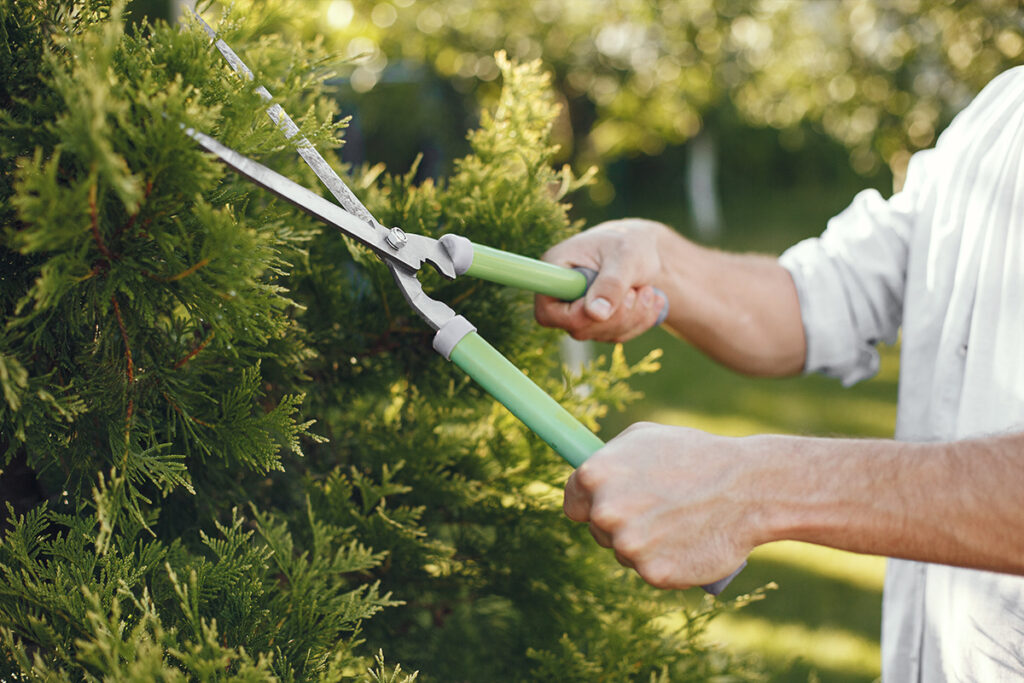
(850, 283)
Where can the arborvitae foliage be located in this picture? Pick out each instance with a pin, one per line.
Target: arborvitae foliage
(171, 333)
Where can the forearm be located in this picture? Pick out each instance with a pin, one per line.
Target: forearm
(684, 507)
(740, 309)
(956, 503)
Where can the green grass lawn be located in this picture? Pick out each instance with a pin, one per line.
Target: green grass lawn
(822, 622)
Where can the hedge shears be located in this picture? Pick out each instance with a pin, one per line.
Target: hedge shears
(452, 256)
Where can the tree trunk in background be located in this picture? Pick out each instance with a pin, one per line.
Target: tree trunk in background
(575, 356)
(702, 186)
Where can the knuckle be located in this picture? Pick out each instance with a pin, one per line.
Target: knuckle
(549, 313)
(601, 336)
(542, 314)
(614, 239)
(576, 513)
(552, 254)
(576, 502)
(606, 517)
(629, 545)
(652, 314)
(602, 539)
(637, 427)
(646, 317)
(657, 573)
(588, 478)
(563, 253)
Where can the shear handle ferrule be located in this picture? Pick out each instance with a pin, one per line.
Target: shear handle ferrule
(450, 334)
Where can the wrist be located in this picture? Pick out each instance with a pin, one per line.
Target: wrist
(834, 492)
(776, 505)
(669, 249)
(809, 489)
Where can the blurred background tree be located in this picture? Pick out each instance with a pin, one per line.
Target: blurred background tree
(878, 79)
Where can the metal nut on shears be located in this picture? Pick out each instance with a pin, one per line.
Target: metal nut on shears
(396, 238)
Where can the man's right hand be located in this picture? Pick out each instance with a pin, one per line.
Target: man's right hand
(621, 302)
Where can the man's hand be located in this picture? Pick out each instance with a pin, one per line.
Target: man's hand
(621, 302)
(740, 309)
(671, 502)
(685, 508)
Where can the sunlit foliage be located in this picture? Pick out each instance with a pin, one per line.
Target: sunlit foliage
(880, 76)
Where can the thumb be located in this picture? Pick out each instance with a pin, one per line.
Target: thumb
(606, 293)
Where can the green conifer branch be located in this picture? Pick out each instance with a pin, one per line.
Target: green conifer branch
(172, 332)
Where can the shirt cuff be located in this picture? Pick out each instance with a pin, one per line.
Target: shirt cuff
(833, 346)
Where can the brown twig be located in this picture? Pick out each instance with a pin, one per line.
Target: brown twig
(173, 278)
(188, 271)
(96, 270)
(131, 219)
(131, 369)
(95, 224)
(465, 295)
(194, 352)
(181, 412)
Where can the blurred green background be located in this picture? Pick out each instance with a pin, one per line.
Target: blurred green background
(744, 125)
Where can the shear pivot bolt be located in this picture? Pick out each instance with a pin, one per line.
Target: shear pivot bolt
(396, 238)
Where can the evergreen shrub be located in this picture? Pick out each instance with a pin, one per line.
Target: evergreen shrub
(229, 451)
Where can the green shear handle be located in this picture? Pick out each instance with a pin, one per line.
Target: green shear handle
(513, 270)
(459, 342)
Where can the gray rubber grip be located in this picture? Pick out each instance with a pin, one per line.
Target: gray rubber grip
(719, 586)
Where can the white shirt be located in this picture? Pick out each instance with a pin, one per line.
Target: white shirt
(944, 260)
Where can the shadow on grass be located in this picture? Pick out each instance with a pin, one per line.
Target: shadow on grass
(816, 601)
(802, 670)
(812, 628)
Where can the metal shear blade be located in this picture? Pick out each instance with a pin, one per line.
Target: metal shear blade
(393, 245)
(412, 253)
(305, 148)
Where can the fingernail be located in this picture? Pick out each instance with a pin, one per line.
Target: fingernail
(599, 308)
